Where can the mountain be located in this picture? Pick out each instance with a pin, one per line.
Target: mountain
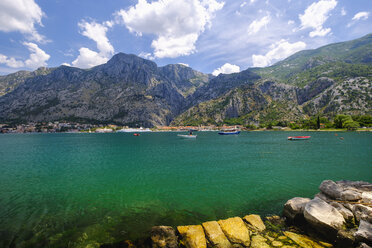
(9, 82)
(334, 79)
(127, 89)
(330, 80)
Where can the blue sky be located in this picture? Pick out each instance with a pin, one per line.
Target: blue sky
(208, 35)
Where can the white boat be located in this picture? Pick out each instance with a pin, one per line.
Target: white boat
(134, 130)
(187, 136)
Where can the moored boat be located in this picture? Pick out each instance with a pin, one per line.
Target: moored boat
(187, 136)
(299, 137)
(229, 132)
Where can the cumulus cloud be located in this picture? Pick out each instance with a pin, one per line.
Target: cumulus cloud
(279, 50)
(226, 69)
(316, 15)
(361, 16)
(257, 25)
(97, 32)
(176, 23)
(21, 16)
(11, 62)
(36, 59)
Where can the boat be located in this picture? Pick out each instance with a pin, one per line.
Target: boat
(299, 137)
(187, 136)
(136, 134)
(229, 132)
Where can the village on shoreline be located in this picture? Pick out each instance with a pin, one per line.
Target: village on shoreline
(74, 127)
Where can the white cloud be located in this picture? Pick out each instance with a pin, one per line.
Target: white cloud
(316, 15)
(257, 25)
(279, 50)
(290, 22)
(36, 59)
(21, 16)
(88, 58)
(243, 4)
(66, 64)
(343, 12)
(361, 16)
(96, 32)
(187, 65)
(146, 55)
(226, 69)
(176, 23)
(11, 62)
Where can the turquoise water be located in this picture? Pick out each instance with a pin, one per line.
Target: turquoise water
(70, 190)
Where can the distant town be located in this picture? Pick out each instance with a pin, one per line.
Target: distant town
(74, 127)
(70, 127)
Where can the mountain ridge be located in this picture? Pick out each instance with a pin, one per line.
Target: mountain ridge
(134, 91)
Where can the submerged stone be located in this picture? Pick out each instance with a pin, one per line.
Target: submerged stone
(302, 240)
(255, 221)
(163, 236)
(259, 242)
(193, 236)
(276, 243)
(235, 230)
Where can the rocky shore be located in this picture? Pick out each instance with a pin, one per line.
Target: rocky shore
(340, 215)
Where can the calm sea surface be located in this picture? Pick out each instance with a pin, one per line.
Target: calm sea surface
(71, 190)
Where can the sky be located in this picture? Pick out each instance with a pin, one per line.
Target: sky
(211, 36)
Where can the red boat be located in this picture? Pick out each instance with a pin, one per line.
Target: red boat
(136, 134)
(299, 137)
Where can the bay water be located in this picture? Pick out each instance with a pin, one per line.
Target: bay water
(74, 190)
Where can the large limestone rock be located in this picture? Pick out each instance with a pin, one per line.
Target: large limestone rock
(331, 189)
(295, 207)
(193, 236)
(346, 213)
(215, 235)
(302, 240)
(345, 238)
(323, 216)
(364, 232)
(350, 195)
(367, 197)
(259, 242)
(235, 230)
(163, 237)
(255, 221)
(362, 212)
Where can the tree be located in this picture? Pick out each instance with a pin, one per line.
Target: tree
(318, 123)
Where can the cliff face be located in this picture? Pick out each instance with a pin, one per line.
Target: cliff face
(127, 89)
